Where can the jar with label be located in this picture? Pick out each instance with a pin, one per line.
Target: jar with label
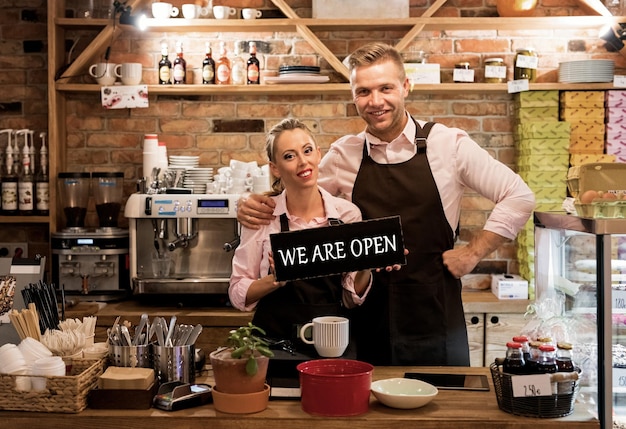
(463, 72)
(495, 70)
(526, 61)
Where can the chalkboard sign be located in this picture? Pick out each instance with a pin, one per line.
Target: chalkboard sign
(338, 249)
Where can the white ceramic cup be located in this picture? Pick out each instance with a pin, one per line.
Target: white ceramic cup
(193, 11)
(330, 335)
(260, 184)
(104, 73)
(130, 73)
(223, 12)
(163, 10)
(251, 13)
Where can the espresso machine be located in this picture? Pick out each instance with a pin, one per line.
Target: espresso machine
(91, 263)
(181, 243)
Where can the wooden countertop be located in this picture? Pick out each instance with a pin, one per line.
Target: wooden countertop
(458, 409)
(473, 302)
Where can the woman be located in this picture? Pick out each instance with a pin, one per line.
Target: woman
(281, 307)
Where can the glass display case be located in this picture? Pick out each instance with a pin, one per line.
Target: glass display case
(581, 262)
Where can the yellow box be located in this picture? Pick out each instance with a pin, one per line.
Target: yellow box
(536, 98)
(544, 129)
(581, 159)
(545, 179)
(537, 113)
(587, 128)
(543, 146)
(553, 193)
(572, 114)
(582, 96)
(587, 146)
(544, 162)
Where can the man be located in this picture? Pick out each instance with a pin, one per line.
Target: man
(413, 316)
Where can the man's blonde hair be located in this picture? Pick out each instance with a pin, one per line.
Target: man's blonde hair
(376, 52)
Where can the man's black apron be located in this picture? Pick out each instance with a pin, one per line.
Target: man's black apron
(413, 316)
(281, 312)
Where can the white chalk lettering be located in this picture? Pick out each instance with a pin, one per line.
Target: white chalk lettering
(289, 257)
(328, 251)
(374, 245)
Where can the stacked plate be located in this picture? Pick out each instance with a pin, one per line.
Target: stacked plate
(197, 178)
(586, 71)
(298, 74)
(180, 161)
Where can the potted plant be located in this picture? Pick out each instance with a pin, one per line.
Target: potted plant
(240, 370)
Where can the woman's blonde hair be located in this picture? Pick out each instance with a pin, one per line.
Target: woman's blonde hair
(284, 125)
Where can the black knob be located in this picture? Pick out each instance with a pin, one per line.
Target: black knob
(495, 319)
(475, 320)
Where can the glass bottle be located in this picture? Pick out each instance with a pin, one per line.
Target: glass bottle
(9, 183)
(252, 69)
(42, 181)
(165, 66)
(547, 359)
(208, 66)
(26, 179)
(238, 67)
(525, 342)
(564, 361)
(533, 356)
(514, 361)
(179, 74)
(525, 64)
(223, 67)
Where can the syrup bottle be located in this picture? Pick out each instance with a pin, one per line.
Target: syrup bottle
(180, 65)
(252, 69)
(238, 68)
(26, 180)
(42, 181)
(547, 359)
(165, 67)
(514, 360)
(223, 67)
(208, 66)
(564, 361)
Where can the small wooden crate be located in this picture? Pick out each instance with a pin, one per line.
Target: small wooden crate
(66, 394)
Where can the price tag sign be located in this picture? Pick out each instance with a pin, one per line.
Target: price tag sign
(531, 385)
(526, 62)
(519, 85)
(463, 75)
(495, 71)
(619, 81)
(619, 299)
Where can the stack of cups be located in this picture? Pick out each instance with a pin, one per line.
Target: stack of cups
(150, 154)
(162, 157)
(52, 366)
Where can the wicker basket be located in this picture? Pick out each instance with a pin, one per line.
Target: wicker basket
(67, 394)
(555, 405)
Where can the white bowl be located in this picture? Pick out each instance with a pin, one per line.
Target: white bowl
(404, 393)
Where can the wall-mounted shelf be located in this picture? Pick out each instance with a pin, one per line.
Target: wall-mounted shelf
(333, 88)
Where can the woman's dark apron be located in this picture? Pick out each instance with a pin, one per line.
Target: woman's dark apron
(283, 311)
(413, 316)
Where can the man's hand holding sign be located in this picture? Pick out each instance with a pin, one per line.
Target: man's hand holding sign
(335, 249)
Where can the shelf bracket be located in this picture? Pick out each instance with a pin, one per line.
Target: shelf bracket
(413, 32)
(310, 37)
(99, 45)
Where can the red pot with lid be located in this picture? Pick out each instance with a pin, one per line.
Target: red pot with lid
(335, 387)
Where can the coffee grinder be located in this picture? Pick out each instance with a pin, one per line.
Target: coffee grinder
(91, 263)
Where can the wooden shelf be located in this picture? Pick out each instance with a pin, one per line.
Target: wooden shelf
(24, 219)
(398, 24)
(333, 88)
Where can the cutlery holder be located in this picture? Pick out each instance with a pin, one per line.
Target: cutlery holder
(175, 363)
(130, 356)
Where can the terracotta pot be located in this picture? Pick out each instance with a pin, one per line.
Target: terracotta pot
(241, 403)
(231, 376)
(516, 7)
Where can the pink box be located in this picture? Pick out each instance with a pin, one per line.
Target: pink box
(616, 98)
(615, 131)
(616, 147)
(616, 115)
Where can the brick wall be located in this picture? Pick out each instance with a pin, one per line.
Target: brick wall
(220, 128)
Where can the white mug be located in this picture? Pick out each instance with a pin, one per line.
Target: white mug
(104, 73)
(163, 10)
(251, 13)
(330, 335)
(193, 11)
(130, 73)
(223, 12)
